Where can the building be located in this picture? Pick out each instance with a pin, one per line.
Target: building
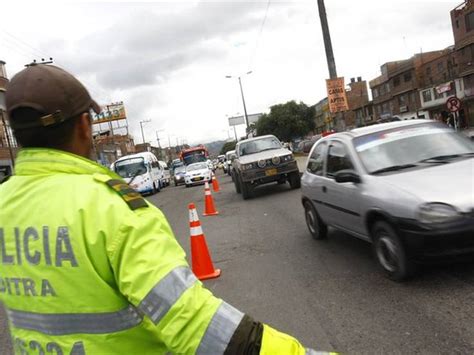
(108, 148)
(395, 91)
(8, 146)
(360, 110)
(462, 22)
(438, 82)
(322, 116)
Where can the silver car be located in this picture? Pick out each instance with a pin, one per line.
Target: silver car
(406, 187)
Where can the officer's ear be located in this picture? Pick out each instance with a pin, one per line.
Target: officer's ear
(84, 127)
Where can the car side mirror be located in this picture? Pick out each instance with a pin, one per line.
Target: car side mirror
(347, 176)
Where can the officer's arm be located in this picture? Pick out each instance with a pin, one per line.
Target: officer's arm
(152, 272)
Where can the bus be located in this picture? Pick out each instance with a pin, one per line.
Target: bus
(194, 155)
(141, 171)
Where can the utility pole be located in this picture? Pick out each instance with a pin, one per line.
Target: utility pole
(243, 100)
(329, 52)
(245, 108)
(327, 40)
(141, 127)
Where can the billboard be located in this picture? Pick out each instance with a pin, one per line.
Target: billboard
(238, 120)
(109, 113)
(235, 121)
(337, 95)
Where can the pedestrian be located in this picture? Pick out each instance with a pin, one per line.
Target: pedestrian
(87, 265)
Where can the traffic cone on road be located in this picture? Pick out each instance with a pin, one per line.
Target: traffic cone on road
(209, 209)
(215, 183)
(200, 257)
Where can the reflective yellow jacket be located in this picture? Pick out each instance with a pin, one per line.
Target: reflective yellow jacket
(88, 267)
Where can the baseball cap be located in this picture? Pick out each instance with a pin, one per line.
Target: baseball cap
(50, 90)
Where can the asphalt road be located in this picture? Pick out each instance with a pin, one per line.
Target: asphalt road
(329, 294)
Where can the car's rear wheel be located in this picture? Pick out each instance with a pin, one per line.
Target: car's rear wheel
(295, 180)
(316, 226)
(390, 252)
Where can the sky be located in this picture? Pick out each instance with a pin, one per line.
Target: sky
(168, 61)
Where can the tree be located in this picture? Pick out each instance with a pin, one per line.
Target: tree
(287, 121)
(228, 146)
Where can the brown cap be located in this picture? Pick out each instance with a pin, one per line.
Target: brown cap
(50, 90)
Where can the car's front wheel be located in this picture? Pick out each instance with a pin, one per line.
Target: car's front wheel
(316, 226)
(247, 190)
(295, 180)
(390, 252)
(235, 177)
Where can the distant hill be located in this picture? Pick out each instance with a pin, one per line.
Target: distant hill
(214, 148)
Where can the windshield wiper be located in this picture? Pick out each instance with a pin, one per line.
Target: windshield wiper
(139, 172)
(444, 158)
(393, 168)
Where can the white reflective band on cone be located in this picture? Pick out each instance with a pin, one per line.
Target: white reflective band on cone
(73, 323)
(195, 231)
(166, 292)
(221, 329)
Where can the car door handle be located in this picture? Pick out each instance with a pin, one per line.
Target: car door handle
(324, 188)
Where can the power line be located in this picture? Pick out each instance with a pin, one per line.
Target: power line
(37, 52)
(257, 42)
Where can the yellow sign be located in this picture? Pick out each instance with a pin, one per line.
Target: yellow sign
(111, 112)
(336, 95)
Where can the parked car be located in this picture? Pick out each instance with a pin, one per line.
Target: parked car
(229, 158)
(179, 174)
(406, 187)
(166, 179)
(141, 171)
(263, 160)
(197, 173)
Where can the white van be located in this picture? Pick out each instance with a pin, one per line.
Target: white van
(166, 180)
(142, 171)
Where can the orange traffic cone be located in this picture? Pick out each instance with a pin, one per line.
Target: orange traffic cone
(215, 183)
(209, 209)
(200, 257)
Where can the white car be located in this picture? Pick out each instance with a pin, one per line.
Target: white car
(166, 180)
(197, 173)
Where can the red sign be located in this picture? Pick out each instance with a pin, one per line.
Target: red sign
(453, 104)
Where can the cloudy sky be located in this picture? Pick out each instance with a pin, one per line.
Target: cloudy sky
(168, 60)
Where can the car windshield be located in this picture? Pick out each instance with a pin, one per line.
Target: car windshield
(130, 167)
(259, 145)
(197, 167)
(406, 147)
(180, 169)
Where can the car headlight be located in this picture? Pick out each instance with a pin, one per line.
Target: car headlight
(262, 163)
(276, 160)
(287, 158)
(436, 212)
(247, 166)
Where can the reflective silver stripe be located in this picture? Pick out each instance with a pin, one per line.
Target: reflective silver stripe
(220, 330)
(72, 323)
(166, 292)
(314, 352)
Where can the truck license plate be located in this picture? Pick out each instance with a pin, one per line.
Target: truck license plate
(270, 172)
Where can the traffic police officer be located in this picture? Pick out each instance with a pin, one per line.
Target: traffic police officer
(86, 265)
